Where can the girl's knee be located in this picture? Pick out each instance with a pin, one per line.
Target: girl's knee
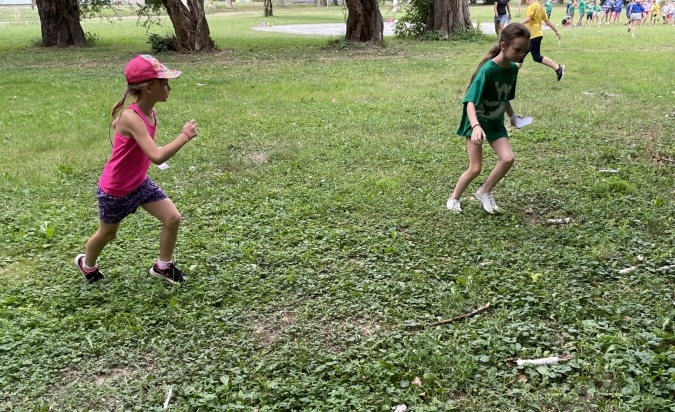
(508, 159)
(173, 219)
(107, 235)
(473, 171)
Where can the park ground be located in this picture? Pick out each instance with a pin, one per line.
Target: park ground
(315, 233)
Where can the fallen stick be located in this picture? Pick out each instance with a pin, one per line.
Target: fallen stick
(168, 397)
(559, 221)
(665, 268)
(460, 317)
(541, 361)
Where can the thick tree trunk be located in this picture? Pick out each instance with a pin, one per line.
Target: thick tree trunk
(449, 16)
(281, 3)
(189, 23)
(321, 3)
(268, 8)
(364, 21)
(60, 23)
(335, 3)
(228, 4)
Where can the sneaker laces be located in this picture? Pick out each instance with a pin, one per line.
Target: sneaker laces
(491, 200)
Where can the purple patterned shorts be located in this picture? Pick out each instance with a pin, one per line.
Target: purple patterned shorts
(113, 209)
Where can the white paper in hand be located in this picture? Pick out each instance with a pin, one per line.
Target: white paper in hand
(523, 122)
(163, 166)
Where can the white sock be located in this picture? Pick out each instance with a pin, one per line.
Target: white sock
(87, 268)
(163, 265)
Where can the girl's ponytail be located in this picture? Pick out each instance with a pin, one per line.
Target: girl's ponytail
(119, 105)
(132, 89)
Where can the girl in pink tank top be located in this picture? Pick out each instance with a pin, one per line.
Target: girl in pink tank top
(124, 184)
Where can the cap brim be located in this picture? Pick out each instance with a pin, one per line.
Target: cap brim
(169, 74)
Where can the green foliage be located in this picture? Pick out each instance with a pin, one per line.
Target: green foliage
(414, 19)
(161, 44)
(91, 39)
(433, 35)
(471, 36)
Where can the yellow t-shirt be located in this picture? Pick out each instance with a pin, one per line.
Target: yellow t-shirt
(537, 15)
(656, 8)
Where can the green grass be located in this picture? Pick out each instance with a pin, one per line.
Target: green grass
(315, 232)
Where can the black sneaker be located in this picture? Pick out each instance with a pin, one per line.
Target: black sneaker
(560, 72)
(171, 274)
(90, 277)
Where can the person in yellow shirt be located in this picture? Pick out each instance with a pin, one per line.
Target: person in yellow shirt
(534, 17)
(656, 10)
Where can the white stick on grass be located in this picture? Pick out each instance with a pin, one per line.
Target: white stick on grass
(168, 398)
(543, 361)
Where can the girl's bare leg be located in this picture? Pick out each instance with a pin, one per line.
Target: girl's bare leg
(166, 212)
(106, 232)
(505, 153)
(475, 160)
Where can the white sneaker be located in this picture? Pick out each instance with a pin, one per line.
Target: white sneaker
(453, 204)
(487, 200)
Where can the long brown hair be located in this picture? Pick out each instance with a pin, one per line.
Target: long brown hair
(132, 89)
(509, 33)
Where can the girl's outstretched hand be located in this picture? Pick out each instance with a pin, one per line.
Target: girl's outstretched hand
(477, 135)
(191, 129)
(514, 119)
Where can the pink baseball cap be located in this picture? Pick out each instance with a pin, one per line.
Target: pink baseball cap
(145, 67)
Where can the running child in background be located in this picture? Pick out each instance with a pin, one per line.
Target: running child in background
(617, 4)
(488, 98)
(607, 11)
(629, 7)
(636, 10)
(647, 10)
(534, 17)
(548, 6)
(124, 184)
(656, 10)
(582, 11)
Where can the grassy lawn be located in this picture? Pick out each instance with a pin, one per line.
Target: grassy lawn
(315, 232)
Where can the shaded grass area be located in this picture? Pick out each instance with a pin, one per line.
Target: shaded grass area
(315, 232)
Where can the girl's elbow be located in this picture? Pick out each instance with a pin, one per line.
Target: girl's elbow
(156, 158)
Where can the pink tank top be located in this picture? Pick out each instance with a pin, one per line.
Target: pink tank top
(128, 166)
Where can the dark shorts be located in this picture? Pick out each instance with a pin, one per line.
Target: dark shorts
(113, 209)
(535, 48)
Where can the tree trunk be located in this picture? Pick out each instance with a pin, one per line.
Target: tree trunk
(268, 8)
(448, 16)
(189, 23)
(228, 4)
(281, 3)
(335, 3)
(364, 21)
(320, 3)
(60, 23)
